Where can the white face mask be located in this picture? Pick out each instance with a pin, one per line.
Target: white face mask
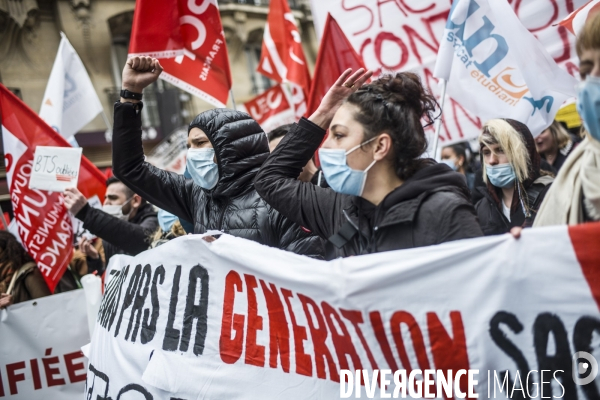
(117, 210)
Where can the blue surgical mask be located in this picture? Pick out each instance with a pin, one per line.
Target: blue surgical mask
(202, 168)
(339, 175)
(588, 105)
(451, 164)
(166, 220)
(501, 175)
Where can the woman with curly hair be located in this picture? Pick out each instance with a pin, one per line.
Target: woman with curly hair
(20, 278)
(384, 195)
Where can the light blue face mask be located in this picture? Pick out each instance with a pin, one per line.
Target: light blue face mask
(501, 175)
(451, 164)
(166, 220)
(588, 105)
(340, 177)
(201, 167)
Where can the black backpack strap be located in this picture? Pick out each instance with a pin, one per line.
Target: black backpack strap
(343, 236)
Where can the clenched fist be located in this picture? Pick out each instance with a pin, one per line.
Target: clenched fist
(140, 72)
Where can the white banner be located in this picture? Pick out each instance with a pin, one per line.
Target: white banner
(40, 342)
(197, 320)
(70, 101)
(406, 35)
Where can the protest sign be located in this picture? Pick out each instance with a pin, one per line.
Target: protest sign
(271, 109)
(43, 223)
(40, 356)
(192, 319)
(170, 154)
(55, 168)
(405, 35)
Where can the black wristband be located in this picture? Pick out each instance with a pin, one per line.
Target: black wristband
(126, 94)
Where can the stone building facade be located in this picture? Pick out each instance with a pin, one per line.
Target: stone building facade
(99, 31)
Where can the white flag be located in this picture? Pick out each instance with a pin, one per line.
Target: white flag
(496, 68)
(70, 101)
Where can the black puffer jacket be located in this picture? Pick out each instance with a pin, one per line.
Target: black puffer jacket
(429, 208)
(118, 236)
(232, 206)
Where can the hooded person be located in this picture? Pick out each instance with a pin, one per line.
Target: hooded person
(575, 195)
(226, 148)
(383, 196)
(515, 186)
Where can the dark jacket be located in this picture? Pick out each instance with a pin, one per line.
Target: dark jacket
(563, 153)
(489, 208)
(233, 205)
(118, 236)
(29, 285)
(429, 208)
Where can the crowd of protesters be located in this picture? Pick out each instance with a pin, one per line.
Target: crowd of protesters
(374, 190)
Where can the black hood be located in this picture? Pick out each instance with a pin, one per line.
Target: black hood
(240, 146)
(430, 177)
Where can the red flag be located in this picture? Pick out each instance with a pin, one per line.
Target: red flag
(43, 221)
(271, 109)
(577, 19)
(336, 55)
(282, 57)
(189, 41)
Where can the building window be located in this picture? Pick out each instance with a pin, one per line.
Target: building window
(260, 83)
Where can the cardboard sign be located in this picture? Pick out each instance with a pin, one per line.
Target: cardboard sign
(55, 168)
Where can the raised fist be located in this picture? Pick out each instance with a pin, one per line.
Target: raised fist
(140, 72)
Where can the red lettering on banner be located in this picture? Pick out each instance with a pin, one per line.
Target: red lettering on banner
(255, 353)
(342, 342)
(398, 319)
(372, 19)
(449, 353)
(231, 349)
(355, 317)
(73, 367)
(564, 37)
(35, 372)
(318, 333)
(381, 37)
(14, 377)
(279, 333)
(303, 360)
(413, 36)
(50, 371)
(379, 330)
(547, 24)
(1, 386)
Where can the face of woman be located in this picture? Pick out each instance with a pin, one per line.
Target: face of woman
(494, 155)
(346, 133)
(545, 142)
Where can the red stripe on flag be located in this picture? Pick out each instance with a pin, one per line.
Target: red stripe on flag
(586, 243)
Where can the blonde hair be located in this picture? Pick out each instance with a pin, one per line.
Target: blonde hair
(175, 231)
(500, 132)
(560, 134)
(589, 37)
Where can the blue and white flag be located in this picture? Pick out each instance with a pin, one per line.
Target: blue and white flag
(496, 68)
(70, 101)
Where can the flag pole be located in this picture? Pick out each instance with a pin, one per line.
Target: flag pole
(106, 120)
(232, 98)
(3, 219)
(438, 127)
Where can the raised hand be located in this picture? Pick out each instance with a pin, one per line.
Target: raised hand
(345, 85)
(140, 72)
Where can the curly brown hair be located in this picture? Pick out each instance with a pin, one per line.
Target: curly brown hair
(12, 257)
(396, 104)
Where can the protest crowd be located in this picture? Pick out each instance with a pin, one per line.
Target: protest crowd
(355, 175)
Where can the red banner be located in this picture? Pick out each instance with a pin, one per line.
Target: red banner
(202, 65)
(43, 221)
(271, 109)
(336, 55)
